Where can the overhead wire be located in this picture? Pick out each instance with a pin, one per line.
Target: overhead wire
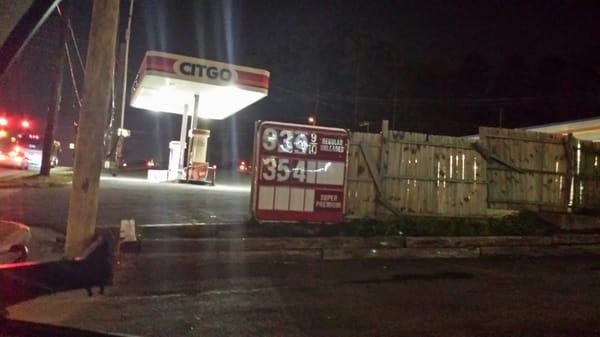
(70, 63)
(73, 82)
(426, 100)
(72, 34)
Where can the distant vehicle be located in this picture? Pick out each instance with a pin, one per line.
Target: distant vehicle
(139, 164)
(32, 145)
(13, 156)
(244, 167)
(21, 146)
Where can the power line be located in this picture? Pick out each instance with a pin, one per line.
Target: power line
(73, 82)
(426, 100)
(72, 34)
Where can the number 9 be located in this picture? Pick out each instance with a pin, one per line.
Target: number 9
(269, 139)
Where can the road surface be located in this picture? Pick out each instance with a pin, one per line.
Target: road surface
(177, 295)
(133, 197)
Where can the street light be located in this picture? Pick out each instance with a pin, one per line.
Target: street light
(312, 120)
(363, 124)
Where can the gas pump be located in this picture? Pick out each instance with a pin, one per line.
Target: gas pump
(174, 155)
(198, 169)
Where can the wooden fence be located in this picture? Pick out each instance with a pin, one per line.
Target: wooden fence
(399, 172)
(530, 169)
(586, 192)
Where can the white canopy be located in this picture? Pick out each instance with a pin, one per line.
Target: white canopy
(166, 82)
(587, 129)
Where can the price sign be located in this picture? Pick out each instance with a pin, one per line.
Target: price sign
(300, 172)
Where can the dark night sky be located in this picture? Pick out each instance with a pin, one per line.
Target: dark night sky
(317, 44)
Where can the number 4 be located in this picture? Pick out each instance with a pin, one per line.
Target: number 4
(299, 172)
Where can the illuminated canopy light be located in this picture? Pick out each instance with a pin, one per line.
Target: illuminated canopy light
(166, 82)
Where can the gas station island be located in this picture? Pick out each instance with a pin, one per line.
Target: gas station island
(198, 88)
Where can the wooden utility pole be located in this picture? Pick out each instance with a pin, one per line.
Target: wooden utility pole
(394, 107)
(500, 117)
(121, 89)
(56, 99)
(99, 76)
(356, 121)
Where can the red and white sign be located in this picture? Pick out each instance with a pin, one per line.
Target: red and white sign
(300, 172)
(168, 82)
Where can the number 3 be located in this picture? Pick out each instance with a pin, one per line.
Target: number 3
(270, 164)
(288, 141)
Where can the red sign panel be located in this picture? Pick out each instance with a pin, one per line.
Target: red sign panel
(300, 172)
(198, 171)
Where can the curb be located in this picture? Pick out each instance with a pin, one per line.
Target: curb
(496, 241)
(273, 250)
(267, 244)
(399, 253)
(236, 257)
(573, 250)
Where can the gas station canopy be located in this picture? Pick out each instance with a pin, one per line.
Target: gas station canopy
(167, 82)
(585, 129)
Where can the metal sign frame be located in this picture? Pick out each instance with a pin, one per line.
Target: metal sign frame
(301, 171)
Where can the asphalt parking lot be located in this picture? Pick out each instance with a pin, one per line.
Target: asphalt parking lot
(131, 196)
(178, 295)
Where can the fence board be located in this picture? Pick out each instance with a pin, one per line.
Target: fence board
(543, 160)
(588, 188)
(360, 190)
(420, 174)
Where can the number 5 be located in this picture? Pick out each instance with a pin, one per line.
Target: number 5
(283, 170)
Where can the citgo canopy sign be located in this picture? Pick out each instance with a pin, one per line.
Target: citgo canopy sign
(299, 172)
(167, 82)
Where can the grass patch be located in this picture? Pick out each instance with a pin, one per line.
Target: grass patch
(518, 223)
(524, 223)
(34, 180)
